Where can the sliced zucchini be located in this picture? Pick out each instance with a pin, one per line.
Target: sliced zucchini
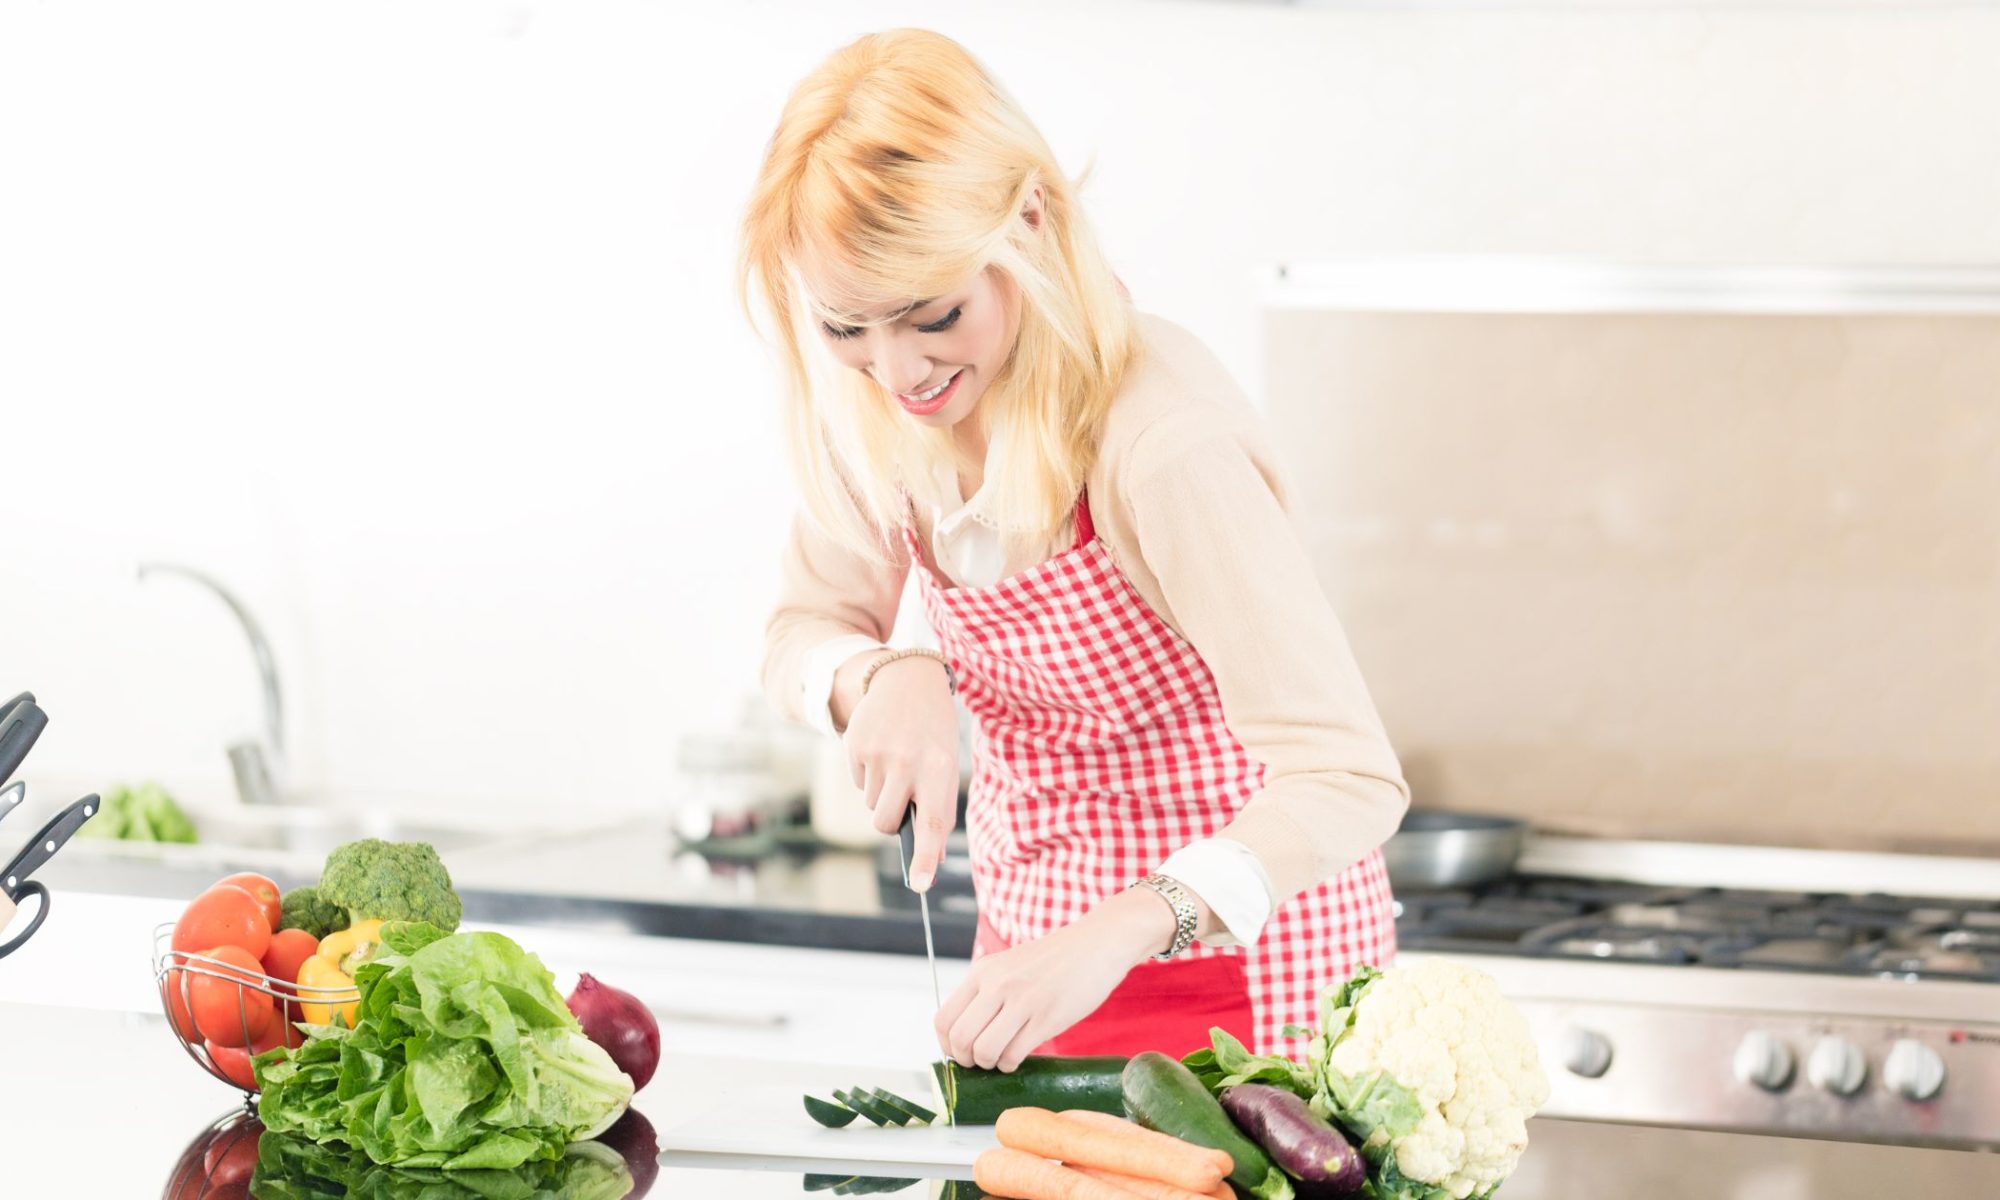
(871, 1185)
(833, 1116)
(924, 1116)
(873, 1111)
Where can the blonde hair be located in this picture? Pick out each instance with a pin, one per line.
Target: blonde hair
(900, 168)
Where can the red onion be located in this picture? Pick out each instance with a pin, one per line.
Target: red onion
(634, 1140)
(617, 1021)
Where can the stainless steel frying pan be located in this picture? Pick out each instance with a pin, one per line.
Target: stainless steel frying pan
(1436, 849)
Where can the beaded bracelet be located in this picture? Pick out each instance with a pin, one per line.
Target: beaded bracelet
(950, 674)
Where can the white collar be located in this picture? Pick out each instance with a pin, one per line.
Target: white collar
(956, 510)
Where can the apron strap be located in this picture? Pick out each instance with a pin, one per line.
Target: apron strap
(1084, 529)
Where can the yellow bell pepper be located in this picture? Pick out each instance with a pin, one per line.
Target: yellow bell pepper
(327, 969)
(331, 989)
(336, 947)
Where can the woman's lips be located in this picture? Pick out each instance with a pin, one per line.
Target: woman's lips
(925, 408)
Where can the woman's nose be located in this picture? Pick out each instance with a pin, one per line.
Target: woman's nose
(904, 375)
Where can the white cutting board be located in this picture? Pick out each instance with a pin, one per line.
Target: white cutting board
(765, 1126)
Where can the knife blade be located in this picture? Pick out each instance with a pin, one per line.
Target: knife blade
(906, 847)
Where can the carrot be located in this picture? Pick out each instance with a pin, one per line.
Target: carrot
(1102, 1120)
(1126, 1151)
(1153, 1189)
(1024, 1176)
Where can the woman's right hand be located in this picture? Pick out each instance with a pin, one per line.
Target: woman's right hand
(902, 745)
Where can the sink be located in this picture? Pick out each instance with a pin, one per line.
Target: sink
(315, 831)
(289, 842)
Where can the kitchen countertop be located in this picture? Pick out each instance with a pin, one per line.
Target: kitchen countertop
(631, 877)
(102, 1103)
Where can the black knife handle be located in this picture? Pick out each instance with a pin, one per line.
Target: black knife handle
(50, 838)
(907, 831)
(20, 725)
(41, 914)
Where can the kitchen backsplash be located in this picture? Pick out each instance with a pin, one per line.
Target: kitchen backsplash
(1699, 576)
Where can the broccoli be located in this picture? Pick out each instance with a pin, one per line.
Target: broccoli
(302, 908)
(395, 881)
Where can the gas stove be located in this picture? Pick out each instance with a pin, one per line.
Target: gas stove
(1836, 933)
(1850, 996)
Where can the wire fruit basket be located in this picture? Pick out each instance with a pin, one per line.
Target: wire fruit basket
(202, 995)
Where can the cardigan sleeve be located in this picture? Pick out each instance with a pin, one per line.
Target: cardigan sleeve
(825, 591)
(1211, 525)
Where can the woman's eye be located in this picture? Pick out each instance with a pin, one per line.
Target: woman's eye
(843, 334)
(944, 323)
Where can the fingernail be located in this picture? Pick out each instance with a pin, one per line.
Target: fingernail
(920, 881)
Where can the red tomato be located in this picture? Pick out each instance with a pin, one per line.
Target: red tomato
(281, 1032)
(224, 915)
(289, 949)
(263, 888)
(226, 1012)
(233, 1062)
(231, 1156)
(176, 985)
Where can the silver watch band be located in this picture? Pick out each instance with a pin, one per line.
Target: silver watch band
(1184, 911)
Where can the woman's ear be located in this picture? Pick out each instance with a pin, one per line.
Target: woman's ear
(1032, 210)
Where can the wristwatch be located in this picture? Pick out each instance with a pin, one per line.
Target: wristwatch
(1184, 912)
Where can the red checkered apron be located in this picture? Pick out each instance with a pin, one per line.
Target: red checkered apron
(1100, 750)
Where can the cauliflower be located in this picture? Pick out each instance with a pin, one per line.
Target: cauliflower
(1435, 1070)
(393, 881)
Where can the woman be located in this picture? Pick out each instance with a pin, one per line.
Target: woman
(1162, 694)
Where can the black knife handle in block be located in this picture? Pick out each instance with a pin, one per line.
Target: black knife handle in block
(20, 724)
(50, 838)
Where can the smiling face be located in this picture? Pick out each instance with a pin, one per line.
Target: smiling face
(937, 358)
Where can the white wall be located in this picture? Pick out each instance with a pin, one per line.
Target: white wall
(414, 322)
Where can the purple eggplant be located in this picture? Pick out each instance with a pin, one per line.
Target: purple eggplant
(1299, 1140)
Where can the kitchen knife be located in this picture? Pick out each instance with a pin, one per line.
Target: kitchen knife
(906, 846)
(21, 722)
(11, 797)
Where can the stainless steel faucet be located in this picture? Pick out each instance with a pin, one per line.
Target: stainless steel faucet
(255, 764)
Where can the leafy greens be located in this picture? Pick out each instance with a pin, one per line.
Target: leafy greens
(463, 1056)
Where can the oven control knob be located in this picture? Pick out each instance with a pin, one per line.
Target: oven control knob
(1913, 1070)
(1764, 1061)
(1838, 1066)
(1586, 1052)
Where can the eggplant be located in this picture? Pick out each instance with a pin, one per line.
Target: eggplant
(1303, 1144)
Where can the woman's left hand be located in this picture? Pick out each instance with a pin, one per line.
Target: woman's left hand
(1016, 999)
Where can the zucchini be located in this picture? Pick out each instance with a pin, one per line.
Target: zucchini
(871, 1185)
(1163, 1095)
(974, 1096)
(868, 1108)
(833, 1116)
(924, 1116)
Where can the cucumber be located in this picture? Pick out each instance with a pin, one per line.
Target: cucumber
(973, 1096)
(923, 1116)
(833, 1116)
(1163, 1095)
(868, 1108)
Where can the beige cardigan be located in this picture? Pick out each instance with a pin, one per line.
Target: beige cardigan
(1186, 497)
